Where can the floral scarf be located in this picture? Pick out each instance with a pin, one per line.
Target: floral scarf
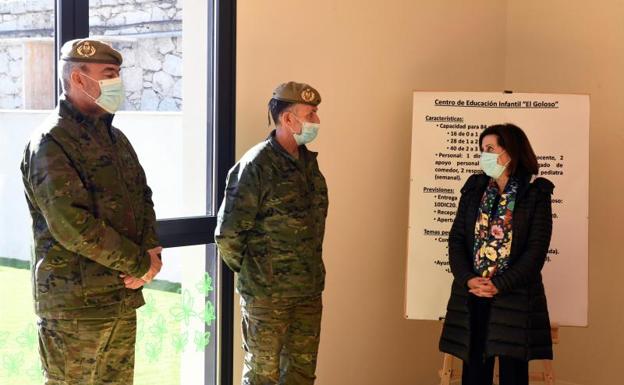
(493, 232)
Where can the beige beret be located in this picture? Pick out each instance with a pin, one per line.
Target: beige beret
(297, 93)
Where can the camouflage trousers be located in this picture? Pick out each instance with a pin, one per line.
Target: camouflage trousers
(88, 351)
(281, 339)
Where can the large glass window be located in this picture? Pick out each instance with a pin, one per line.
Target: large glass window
(170, 136)
(149, 35)
(184, 332)
(176, 328)
(172, 148)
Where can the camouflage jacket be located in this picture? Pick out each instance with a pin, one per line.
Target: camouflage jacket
(271, 223)
(92, 216)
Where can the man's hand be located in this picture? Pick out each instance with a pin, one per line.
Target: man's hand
(132, 282)
(155, 265)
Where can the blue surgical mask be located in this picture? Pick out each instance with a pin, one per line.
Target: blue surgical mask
(309, 131)
(111, 94)
(489, 164)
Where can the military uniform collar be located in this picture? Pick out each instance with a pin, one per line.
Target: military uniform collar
(67, 110)
(303, 150)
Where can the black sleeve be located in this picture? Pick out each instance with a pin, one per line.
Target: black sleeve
(459, 259)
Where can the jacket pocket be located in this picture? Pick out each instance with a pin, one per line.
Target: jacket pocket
(98, 281)
(57, 280)
(56, 271)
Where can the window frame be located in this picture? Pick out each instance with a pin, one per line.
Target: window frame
(72, 22)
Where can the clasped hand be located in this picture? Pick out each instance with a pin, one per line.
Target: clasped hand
(482, 287)
(155, 265)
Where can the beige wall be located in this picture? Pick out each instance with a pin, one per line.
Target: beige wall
(366, 60)
(578, 47)
(366, 57)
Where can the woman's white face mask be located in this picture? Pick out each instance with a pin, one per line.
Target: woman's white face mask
(490, 166)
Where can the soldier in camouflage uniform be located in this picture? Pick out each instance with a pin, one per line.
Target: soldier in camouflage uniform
(270, 231)
(93, 223)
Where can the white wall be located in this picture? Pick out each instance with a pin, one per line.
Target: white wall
(366, 57)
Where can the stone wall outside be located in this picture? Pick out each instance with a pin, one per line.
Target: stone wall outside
(147, 32)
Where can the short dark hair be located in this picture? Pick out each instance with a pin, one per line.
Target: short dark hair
(277, 107)
(516, 144)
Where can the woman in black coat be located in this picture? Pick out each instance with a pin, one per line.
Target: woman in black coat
(497, 247)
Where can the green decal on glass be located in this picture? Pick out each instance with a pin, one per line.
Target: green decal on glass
(28, 337)
(184, 311)
(12, 364)
(201, 340)
(209, 313)
(205, 286)
(159, 328)
(179, 341)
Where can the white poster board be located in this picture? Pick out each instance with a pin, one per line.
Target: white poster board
(445, 140)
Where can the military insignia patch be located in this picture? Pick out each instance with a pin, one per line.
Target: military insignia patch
(307, 95)
(85, 49)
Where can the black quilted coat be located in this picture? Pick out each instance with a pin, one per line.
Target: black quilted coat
(519, 326)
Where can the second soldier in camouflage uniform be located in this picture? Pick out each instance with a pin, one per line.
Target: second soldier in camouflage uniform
(95, 242)
(270, 231)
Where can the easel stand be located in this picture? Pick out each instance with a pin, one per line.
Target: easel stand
(448, 373)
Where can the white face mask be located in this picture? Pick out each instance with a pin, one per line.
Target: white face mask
(309, 131)
(489, 164)
(111, 94)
